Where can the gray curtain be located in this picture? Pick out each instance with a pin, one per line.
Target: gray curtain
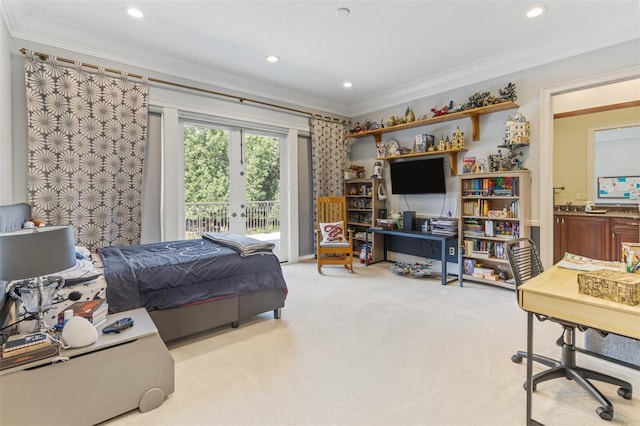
(86, 143)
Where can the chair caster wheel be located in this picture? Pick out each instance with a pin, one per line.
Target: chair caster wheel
(625, 393)
(604, 414)
(517, 359)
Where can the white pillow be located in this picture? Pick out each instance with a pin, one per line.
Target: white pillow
(333, 232)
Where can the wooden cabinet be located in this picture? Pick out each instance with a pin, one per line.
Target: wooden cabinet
(363, 208)
(473, 114)
(623, 230)
(494, 207)
(596, 237)
(582, 235)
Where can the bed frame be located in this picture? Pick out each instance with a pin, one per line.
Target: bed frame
(181, 321)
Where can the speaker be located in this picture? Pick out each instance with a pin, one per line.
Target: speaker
(382, 213)
(79, 332)
(408, 221)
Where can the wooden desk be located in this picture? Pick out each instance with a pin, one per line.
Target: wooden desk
(442, 239)
(555, 293)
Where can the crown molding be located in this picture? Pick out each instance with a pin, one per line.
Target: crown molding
(615, 31)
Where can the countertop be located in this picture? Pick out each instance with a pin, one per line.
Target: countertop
(611, 211)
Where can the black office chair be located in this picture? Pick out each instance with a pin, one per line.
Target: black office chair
(525, 264)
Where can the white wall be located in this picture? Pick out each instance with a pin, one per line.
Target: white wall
(6, 150)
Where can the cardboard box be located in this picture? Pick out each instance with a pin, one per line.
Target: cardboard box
(615, 286)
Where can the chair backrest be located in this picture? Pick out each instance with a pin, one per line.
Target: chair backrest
(524, 259)
(331, 209)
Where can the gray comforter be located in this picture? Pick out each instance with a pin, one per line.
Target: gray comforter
(170, 274)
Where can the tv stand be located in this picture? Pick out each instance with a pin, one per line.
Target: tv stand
(443, 240)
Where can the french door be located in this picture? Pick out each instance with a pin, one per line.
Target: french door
(232, 182)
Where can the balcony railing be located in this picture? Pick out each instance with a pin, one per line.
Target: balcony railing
(261, 217)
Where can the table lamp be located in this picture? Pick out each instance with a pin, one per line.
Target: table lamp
(30, 255)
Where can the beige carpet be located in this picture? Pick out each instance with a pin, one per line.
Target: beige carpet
(373, 348)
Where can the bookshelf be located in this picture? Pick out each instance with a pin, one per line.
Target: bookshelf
(494, 207)
(363, 207)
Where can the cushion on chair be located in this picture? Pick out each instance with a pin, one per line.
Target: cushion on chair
(332, 233)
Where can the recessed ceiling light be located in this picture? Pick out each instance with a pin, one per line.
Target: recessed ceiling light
(347, 84)
(136, 13)
(536, 11)
(273, 58)
(342, 12)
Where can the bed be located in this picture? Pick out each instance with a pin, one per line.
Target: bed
(186, 286)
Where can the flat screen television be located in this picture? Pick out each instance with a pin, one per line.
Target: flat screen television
(425, 176)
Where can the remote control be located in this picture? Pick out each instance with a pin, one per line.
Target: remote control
(118, 326)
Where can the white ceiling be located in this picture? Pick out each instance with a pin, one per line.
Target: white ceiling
(392, 51)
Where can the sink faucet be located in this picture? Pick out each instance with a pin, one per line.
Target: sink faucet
(568, 206)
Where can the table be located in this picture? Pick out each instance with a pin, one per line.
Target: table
(555, 293)
(442, 239)
(116, 374)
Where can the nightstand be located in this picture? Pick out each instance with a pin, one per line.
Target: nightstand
(118, 373)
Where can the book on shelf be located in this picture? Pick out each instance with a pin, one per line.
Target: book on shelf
(468, 266)
(21, 344)
(483, 271)
(485, 276)
(95, 311)
(43, 352)
(483, 254)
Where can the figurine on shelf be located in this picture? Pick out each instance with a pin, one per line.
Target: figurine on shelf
(381, 149)
(439, 112)
(409, 116)
(458, 139)
(356, 129)
(508, 93)
(441, 144)
(516, 130)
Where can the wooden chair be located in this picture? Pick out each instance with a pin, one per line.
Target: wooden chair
(337, 248)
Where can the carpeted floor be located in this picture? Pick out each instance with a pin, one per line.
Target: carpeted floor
(373, 348)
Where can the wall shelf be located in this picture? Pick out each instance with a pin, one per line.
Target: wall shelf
(473, 114)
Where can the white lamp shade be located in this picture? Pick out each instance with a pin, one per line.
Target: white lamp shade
(30, 253)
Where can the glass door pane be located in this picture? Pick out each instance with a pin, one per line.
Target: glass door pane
(206, 179)
(261, 158)
(232, 183)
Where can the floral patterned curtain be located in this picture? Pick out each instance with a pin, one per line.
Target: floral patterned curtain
(86, 141)
(329, 159)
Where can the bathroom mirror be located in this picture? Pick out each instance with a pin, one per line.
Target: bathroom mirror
(613, 163)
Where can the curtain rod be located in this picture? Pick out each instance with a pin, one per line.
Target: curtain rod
(45, 56)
